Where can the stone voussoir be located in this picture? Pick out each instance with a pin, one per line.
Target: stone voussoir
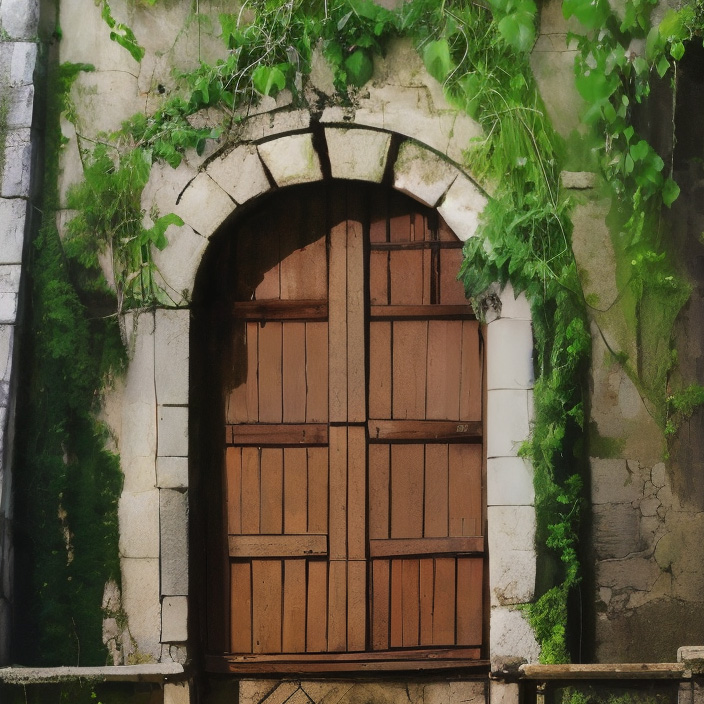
(204, 205)
(462, 206)
(292, 159)
(422, 174)
(357, 154)
(240, 173)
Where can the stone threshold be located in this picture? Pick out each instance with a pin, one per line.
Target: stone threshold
(153, 672)
(610, 671)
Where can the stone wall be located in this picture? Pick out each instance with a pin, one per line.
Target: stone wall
(18, 57)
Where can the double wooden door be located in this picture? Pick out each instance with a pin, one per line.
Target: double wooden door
(353, 458)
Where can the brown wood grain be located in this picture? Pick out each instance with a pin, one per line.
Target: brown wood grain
(266, 606)
(435, 519)
(444, 602)
(316, 372)
(420, 546)
(443, 370)
(337, 605)
(356, 342)
(426, 592)
(250, 490)
(380, 369)
(337, 324)
(233, 471)
(407, 464)
(275, 309)
(471, 378)
(270, 382)
(277, 545)
(380, 593)
(277, 434)
(419, 430)
(451, 290)
(396, 615)
(294, 372)
(379, 278)
(240, 607)
(356, 605)
(272, 490)
(317, 489)
(469, 600)
(465, 462)
(411, 602)
(356, 493)
(406, 277)
(379, 467)
(400, 227)
(317, 612)
(295, 490)
(410, 340)
(294, 612)
(453, 312)
(338, 492)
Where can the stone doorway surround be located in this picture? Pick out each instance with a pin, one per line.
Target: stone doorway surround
(284, 150)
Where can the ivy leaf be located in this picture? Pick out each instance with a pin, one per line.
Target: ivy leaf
(677, 50)
(518, 30)
(662, 66)
(670, 192)
(268, 80)
(359, 67)
(436, 57)
(591, 13)
(157, 233)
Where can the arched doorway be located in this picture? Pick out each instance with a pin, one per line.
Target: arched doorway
(343, 472)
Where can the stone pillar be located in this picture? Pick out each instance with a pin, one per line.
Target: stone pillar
(18, 55)
(510, 497)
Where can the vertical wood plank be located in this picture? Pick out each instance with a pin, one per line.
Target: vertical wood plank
(356, 344)
(380, 369)
(469, 600)
(435, 524)
(380, 604)
(471, 379)
(270, 382)
(294, 372)
(396, 628)
(426, 600)
(266, 606)
(378, 219)
(317, 616)
(411, 602)
(410, 339)
(451, 290)
(465, 489)
(287, 225)
(243, 401)
(407, 462)
(443, 371)
(316, 372)
(294, 614)
(444, 602)
(406, 276)
(337, 606)
(429, 278)
(379, 278)
(233, 470)
(399, 225)
(252, 392)
(337, 540)
(356, 605)
(250, 490)
(379, 491)
(356, 493)
(272, 494)
(295, 490)
(240, 607)
(337, 323)
(317, 489)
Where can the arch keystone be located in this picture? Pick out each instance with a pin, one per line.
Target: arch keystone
(357, 155)
(291, 159)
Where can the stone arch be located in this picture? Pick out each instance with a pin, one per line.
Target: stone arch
(207, 199)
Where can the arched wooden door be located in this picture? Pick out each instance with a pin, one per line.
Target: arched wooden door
(353, 439)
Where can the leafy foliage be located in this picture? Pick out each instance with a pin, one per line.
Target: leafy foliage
(121, 33)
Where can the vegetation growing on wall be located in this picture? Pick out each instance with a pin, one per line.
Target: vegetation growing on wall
(66, 484)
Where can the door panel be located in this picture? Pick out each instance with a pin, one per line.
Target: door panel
(353, 430)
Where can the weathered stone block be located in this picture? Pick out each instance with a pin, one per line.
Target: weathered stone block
(271, 124)
(240, 173)
(512, 306)
(511, 575)
(172, 472)
(616, 531)
(255, 691)
(639, 573)
(357, 154)
(19, 18)
(138, 515)
(509, 482)
(422, 174)
(164, 187)
(613, 482)
(578, 180)
(510, 635)
(171, 344)
(9, 291)
(177, 693)
(462, 206)
(21, 104)
(140, 599)
(174, 619)
(178, 263)
(511, 345)
(504, 692)
(511, 528)
(22, 62)
(13, 213)
(507, 421)
(204, 205)
(7, 339)
(16, 171)
(291, 159)
(173, 431)
(454, 692)
(173, 510)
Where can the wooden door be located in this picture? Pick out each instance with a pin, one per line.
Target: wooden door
(353, 459)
